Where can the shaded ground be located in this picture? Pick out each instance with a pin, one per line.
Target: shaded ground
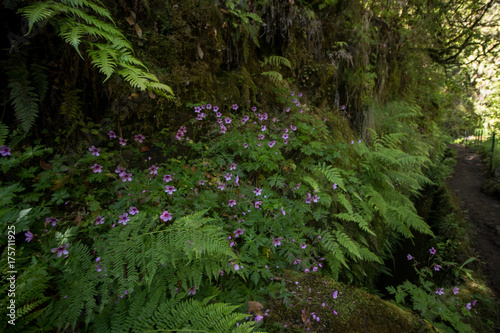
(481, 209)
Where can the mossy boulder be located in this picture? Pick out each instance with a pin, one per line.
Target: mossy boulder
(316, 303)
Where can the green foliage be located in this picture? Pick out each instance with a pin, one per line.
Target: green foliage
(4, 131)
(114, 55)
(240, 206)
(443, 307)
(23, 96)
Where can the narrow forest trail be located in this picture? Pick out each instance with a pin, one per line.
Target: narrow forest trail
(482, 210)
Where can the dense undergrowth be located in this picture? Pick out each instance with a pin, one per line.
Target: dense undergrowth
(274, 171)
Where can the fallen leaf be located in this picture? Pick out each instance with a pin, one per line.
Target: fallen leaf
(138, 30)
(143, 149)
(200, 52)
(130, 20)
(305, 316)
(45, 165)
(255, 307)
(151, 95)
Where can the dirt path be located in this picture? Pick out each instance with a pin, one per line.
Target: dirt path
(482, 210)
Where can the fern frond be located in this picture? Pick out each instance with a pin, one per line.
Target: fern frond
(360, 220)
(72, 34)
(38, 12)
(40, 79)
(277, 61)
(4, 131)
(274, 76)
(105, 60)
(332, 174)
(350, 245)
(25, 101)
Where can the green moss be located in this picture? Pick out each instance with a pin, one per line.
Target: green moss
(354, 310)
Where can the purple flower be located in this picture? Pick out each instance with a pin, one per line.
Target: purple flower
(334, 186)
(245, 145)
(245, 119)
(277, 241)
(303, 246)
(218, 114)
(437, 267)
(468, 306)
(335, 294)
(29, 236)
(232, 166)
(139, 137)
(236, 267)
(231, 203)
(228, 120)
(61, 250)
(167, 178)
(257, 191)
(257, 204)
(127, 177)
(235, 106)
(96, 168)
(216, 108)
(112, 135)
(123, 219)
(133, 210)
(209, 106)
(238, 232)
(236, 180)
(192, 290)
(153, 170)
(306, 270)
(122, 141)
(409, 257)
(315, 269)
(285, 136)
(300, 94)
(221, 186)
(287, 109)
(228, 176)
(283, 211)
(254, 108)
(166, 216)
(440, 291)
(99, 220)
(120, 171)
(272, 143)
(315, 198)
(455, 290)
(294, 128)
(52, 221)
(263, 128)
(201, 182)
(94, 151)
(432, 250)
(308, 199)
(170, 189)
(261, 137)
(258, 318)
(98, 268)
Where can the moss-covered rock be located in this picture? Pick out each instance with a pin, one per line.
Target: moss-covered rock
(319, 304)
